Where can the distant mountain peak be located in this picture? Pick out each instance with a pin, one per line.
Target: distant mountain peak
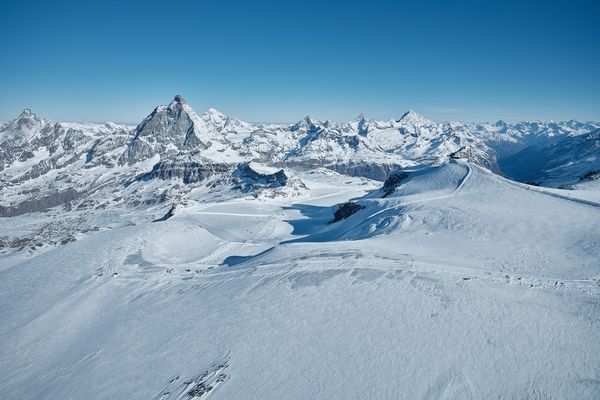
(360, 117)
(26, 113)
(179, 99)
(304, 123)
(414, 117)
(213, 112)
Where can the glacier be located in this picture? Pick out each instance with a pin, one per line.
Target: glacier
(200, 256)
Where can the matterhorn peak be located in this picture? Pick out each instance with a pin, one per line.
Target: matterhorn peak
(179, 99)
(178, 102)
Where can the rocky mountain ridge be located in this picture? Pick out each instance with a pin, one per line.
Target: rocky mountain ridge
(44, 162)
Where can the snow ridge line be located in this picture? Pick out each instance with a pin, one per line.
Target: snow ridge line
(543, 191)
(456, 190)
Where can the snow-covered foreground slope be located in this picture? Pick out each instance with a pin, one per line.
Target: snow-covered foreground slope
(457, 284)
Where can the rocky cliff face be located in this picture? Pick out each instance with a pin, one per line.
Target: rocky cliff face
(187, 170)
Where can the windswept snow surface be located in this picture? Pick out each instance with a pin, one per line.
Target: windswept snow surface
(458, 285)
(196, 255)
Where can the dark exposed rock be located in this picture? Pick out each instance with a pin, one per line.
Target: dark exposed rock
(345, 210)
(393, 181)
(481, 157)
(40, 169)
(20, 243)
(591, 176)
(165, 129)
(68, 239)
(248, 179)
(188, 171)
(373, 171)
(26, 155)
(199, 390)
(137, 150)
(168, 215)
(41, 204)
(369, 170)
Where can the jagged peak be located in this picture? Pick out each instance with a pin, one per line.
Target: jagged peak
(179, 99)
(177, 103)
(414, 117)
(26, 113)
(360, 117)
(305, 122)
(27, 123)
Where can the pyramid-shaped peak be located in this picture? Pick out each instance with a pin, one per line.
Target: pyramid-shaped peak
(304, 123)
(414, 117)
(308, 120)
(179, 99)
(360, 117)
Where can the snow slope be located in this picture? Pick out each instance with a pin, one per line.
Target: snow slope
(196, 255)
(459, 284)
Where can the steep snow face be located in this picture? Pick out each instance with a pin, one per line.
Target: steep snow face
(458, 284)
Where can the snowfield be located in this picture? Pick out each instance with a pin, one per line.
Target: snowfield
(199, 256)
(460, 284)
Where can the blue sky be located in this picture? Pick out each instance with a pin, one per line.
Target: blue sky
(278, 61)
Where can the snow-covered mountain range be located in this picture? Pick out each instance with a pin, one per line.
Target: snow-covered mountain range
(199, 256)
(40, 160)
(174, 154)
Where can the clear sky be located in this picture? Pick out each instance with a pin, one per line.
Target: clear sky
(281, 60)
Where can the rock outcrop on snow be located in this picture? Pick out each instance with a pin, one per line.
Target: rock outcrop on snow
(393, 181)
(345, 210)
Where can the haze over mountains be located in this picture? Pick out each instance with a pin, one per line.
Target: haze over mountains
(196, 255)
